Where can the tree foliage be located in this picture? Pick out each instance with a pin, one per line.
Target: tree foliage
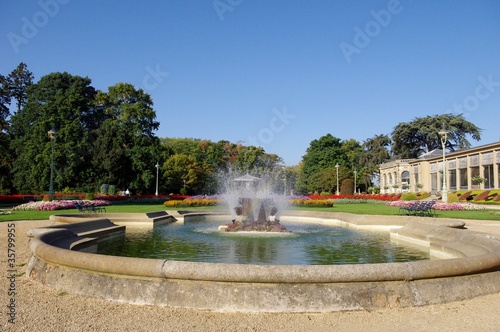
(375, 152)
(12, 87)
(125, 140)
(62, 101)
(411, 139)
(19, 80)
(319, 172)
(206, 160)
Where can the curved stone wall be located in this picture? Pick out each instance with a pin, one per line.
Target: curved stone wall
(474, 271)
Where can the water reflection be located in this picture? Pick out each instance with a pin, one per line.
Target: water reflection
(308, 244)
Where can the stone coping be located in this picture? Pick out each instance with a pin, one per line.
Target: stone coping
(473, 271)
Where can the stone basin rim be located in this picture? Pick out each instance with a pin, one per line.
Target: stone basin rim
(169, 269)
(475, 264)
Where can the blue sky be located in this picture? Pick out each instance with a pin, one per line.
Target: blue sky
(276, 74)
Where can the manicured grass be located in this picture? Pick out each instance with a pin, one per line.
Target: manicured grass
(375, 209)
(382, 209)
(43, 215)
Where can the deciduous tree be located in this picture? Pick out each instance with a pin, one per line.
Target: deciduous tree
(126, 143)
(65, 102)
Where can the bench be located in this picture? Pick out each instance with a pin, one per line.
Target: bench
(89, 208)
(419, 208)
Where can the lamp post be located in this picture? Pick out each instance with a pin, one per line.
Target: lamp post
(52, 136)
(355, 173)
(444, 136)
(337, 167)
(284, 184)
(157, 170)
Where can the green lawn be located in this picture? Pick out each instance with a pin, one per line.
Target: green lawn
(382, 209)
(375, 209)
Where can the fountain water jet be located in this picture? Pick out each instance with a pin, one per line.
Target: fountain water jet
(253, 207)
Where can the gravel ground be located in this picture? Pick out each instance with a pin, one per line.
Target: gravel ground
(39, 308)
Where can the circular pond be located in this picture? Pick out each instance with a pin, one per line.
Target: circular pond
(306, 244)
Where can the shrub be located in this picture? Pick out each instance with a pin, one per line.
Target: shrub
(347, 187)
(112, 189)
(89, 196)
(452, 197)
(67, 190)
(423, 195)
(409, 197)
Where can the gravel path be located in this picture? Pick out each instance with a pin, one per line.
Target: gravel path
(39, 308)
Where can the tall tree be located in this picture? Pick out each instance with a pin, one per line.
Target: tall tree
(20, 79)
(5, 151)
(320, 160)
(63, 101)
(375, 152)
(5, 98)
(127, 138)
(410, 139)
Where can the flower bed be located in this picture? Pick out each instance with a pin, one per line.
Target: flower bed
(311, 202)
(192, 202)
(58, 205)
(16, 199)
(442, 206)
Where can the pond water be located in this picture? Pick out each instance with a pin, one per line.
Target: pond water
(307, 244)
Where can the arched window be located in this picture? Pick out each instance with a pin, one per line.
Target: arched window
(405, 180)
(405, 177)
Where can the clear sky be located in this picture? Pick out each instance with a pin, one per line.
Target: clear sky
(276, 74)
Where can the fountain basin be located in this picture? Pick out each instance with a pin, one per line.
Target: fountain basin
(472, 268)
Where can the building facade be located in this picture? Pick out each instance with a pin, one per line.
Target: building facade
(468, 169)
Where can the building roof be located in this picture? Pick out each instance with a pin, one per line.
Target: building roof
(431, 154)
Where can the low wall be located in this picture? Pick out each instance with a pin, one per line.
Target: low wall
(282, 288)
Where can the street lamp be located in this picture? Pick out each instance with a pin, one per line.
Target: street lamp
(444, 136)
(52, 136)
(355, 173)
(157, 170)
(337, 167)
(284, 184)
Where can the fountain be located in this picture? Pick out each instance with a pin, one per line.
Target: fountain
(470, 267)
(253, 208)
(467, 264)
